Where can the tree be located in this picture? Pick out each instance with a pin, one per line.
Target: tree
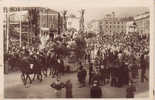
(34, 20)
(64, 20)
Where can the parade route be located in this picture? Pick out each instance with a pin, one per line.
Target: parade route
(93, 53)
(14, 88)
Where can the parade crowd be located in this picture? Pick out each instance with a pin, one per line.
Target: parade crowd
(117, 63)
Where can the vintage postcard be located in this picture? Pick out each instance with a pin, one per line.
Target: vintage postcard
(78, 49)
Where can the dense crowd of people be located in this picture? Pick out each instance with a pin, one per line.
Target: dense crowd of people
(114, 69)
(119, 60)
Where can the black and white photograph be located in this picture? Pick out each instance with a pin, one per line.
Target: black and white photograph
(81, 52)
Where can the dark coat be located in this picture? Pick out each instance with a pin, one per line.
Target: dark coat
(130, 91)
(79, 75)
(90, 69)
(68, 87)
(62, 66)
(96, 92)
(84, 73)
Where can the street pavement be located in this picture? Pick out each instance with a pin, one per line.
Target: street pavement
(14, 88)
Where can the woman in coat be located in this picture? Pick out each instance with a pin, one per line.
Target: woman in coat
(68, 87)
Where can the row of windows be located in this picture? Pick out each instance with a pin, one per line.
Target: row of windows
(115, 31)
(114, 22)
(115, 26)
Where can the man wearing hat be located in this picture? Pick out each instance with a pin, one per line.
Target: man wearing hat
(131, 89)
(90, 72)
(95, 91)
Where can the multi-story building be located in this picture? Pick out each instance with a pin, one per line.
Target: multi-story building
(143, 23)
(17, 19)
(49, 18)
(112, 24)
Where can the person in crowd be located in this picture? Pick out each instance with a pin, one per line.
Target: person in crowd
(90, 72)
(134, 70)
(143, 69)
(114, 76)
(97, 76)
(58, 85)
(103, 74)
(62, 66)
(68, 86)
(82, 73)
(79, 76)
(130, 91)
(95, 91)
(126, 74)
(121, 73)
(107, 74)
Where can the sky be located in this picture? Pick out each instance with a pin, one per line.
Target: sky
(94, 9)
(92, 13)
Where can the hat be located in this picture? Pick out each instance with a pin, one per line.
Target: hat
(95, 82)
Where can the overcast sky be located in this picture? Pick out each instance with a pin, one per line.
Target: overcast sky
(95, 9)
(99, 12)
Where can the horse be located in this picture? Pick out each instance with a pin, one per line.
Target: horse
(28, 66)
(37, 67)
(25, 70)
(13, 62)
(53, 66)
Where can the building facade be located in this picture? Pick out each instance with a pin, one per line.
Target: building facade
(143, 23)
(18, 23)
(112, 24)
(48, 18)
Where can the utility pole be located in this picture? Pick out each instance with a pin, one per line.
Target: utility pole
(7, 28)
(20, 28)
(29, 27)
